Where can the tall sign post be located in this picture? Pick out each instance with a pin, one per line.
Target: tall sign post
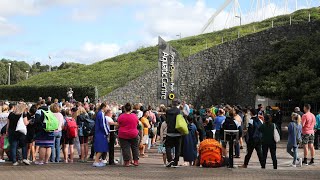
(167, 73)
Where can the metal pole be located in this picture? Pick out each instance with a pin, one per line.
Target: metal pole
(27, 74)
(9, 73)
(290, 20)
(309, 17)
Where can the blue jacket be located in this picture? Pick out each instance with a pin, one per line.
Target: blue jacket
(292, 133)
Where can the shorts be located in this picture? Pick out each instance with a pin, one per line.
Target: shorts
(307, 139)
(145, 139)
(83, 139)
(69, 141)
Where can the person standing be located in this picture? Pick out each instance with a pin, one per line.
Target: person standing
(17, 138)
(260, 110)
(277, 119)
(146, 128)
(294, 136)
(253, 139)
(101, 136)
(268, 143)
(129, 136)
(43, 139)
(308, 123)
(317, 131)
(218, 122)
(3, 121)
(55, 150)
(173, 139)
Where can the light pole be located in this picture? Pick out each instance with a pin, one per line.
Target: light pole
(179, 35)
(9, 73)
(27, 74)
(240, 25)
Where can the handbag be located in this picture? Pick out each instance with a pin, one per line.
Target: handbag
(181, 125)
(276, 135)
(21, 127)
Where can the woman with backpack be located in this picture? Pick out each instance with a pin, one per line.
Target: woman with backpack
(55, 151)
(70, 131)
(81, 117)
(294, 139)
(268, 143)
(190, 143)
(17, 138)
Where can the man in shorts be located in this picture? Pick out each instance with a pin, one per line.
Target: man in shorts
(308, 123)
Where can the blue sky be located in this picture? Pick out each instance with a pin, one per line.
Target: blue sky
(89, 31)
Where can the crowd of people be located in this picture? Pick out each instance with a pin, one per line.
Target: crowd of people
(53, 126)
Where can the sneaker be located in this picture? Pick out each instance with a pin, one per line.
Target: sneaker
(300, 162)
(304, 162)
(2, 161)
(26, 162)
(38, 163)
(170, 164)
(15, 164)
(104, 161)
(135, 163)
(311, 162)
(293, 165)
(98, 164)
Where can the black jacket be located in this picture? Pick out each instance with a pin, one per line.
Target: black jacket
(171, 116)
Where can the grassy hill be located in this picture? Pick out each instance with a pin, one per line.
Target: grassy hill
(115, 72)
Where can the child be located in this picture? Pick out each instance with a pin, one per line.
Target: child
(162, 148)
(294, 138)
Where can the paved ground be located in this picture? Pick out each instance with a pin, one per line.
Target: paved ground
(151, 168)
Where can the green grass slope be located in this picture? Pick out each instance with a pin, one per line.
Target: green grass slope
(115, 72)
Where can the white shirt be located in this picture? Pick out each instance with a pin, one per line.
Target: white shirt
(109, 120)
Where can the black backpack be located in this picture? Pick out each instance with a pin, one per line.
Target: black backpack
(88, 127)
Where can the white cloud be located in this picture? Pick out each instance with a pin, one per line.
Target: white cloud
(169, 18)
(7, 28)
(17, 54)
(19, 7)
(82, 15)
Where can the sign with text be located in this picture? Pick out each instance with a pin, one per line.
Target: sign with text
(167, 73)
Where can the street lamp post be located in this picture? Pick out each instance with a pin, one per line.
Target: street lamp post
(27, 74)
(179, 35)
(240, 25)
(9, 73)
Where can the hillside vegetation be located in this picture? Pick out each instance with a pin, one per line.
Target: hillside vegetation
(115, 72)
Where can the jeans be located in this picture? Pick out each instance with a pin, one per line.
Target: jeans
(127, 145)
(293, 153)
(173, 142)
(250, 147)
(17, 139)
(55, 151)
(237, 148)
(273, 148)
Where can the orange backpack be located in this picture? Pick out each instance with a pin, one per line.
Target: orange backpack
(210, 152)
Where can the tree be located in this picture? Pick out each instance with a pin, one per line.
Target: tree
(292, 71)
